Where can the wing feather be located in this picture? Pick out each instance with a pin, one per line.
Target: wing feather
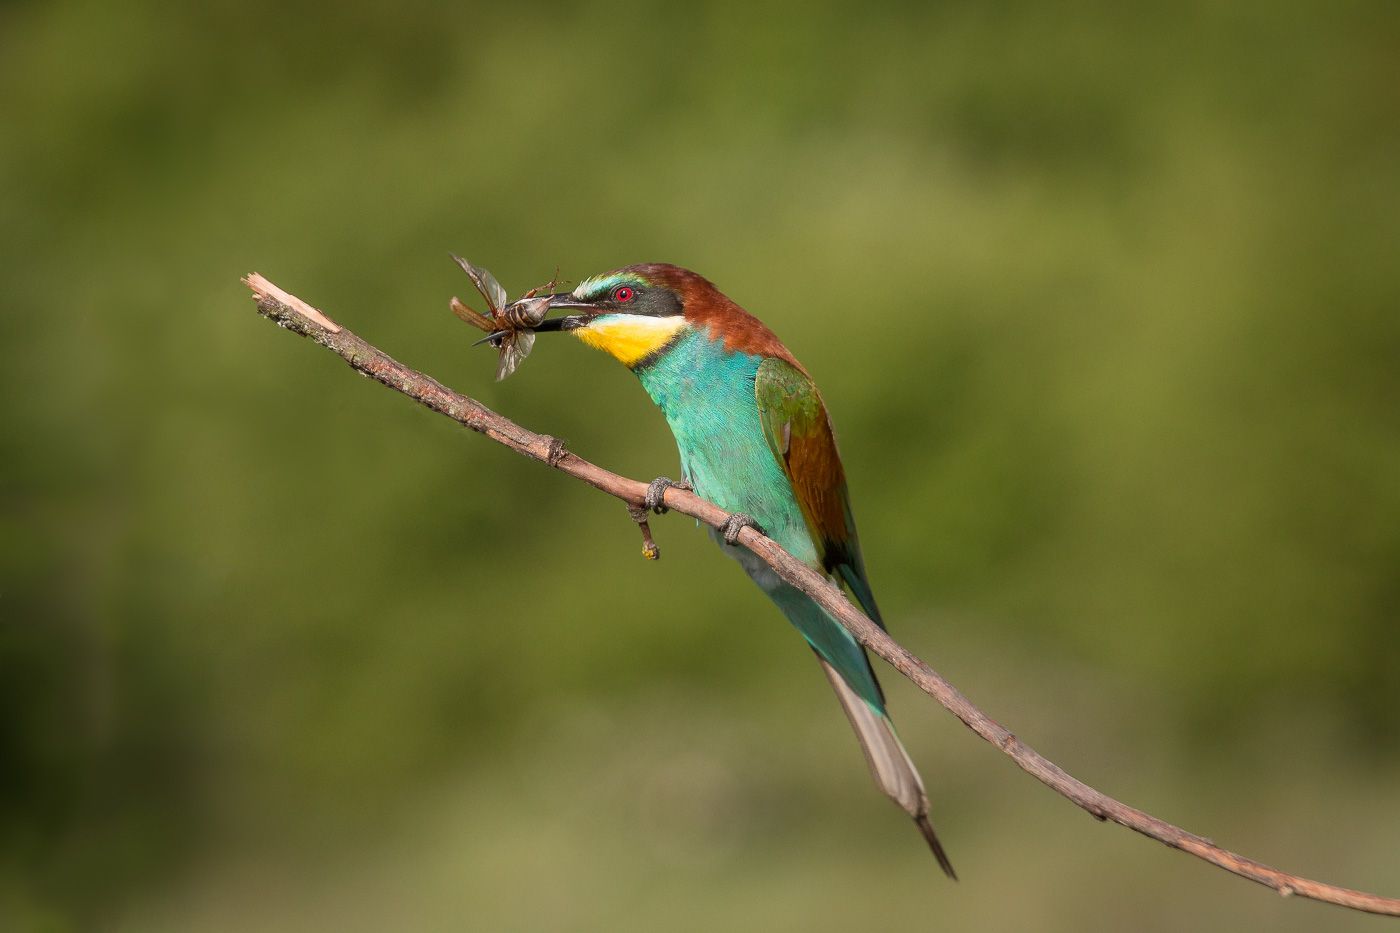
(799, 433)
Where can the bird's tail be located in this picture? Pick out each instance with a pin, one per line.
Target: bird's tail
(889, 762)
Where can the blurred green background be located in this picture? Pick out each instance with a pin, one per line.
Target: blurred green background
(1104, 304)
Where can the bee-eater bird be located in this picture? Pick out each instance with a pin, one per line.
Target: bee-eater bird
(755, 439)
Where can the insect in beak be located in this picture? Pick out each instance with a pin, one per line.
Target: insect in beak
(511, 325)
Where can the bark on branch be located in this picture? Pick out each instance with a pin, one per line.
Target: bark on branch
(296, 315)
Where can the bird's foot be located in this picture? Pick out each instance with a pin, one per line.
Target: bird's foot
(735, 524)
(656, 493)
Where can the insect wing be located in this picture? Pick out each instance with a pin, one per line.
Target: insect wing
(515, 346)
(485, 283)
(474, 318)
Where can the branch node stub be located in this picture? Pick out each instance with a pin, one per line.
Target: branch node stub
(638, 514)
(557, 450)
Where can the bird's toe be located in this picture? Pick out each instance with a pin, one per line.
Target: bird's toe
(656, 493)
(736, 523)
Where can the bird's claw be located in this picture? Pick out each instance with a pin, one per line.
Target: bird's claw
(656, 493)
(735, 524)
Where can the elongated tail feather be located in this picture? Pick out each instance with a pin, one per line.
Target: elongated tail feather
(889, 762)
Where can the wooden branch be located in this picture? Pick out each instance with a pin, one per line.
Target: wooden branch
(296, 315)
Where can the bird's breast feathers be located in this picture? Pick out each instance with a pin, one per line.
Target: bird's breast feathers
(631, 338)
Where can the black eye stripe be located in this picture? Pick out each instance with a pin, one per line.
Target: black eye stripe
(634, 297)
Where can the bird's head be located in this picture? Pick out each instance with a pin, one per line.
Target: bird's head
(632, 313)
(635, 313)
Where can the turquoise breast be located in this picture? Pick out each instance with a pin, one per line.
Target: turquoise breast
(707, 396)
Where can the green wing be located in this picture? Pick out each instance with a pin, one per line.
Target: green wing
(799, 433)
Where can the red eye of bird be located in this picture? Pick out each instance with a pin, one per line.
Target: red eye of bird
(623, 294)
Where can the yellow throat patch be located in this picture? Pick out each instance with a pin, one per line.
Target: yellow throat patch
(631, 337)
